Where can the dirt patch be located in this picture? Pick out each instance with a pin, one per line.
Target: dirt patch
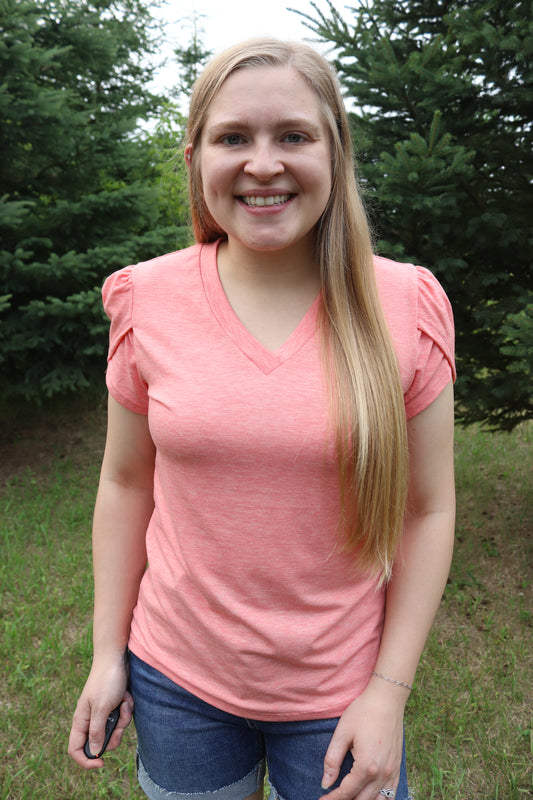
(33, 442)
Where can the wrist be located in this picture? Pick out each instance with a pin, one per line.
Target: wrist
(110, 655)
(388, 694)
(110, 638)
(395, 681)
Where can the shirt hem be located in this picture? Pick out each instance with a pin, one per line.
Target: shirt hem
(423, 401)
(331, 712)
(127, 402)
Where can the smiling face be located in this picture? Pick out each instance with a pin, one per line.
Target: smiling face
(265, 160)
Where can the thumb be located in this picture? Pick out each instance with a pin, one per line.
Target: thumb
(97, 732)
(338, 747)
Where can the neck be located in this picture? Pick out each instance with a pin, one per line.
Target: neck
(291, 268)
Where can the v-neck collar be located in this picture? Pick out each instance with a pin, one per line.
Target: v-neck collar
(266, 360)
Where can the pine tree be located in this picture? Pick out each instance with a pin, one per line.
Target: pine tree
(169, 134)
(442, 92)
(190, 57)
(79, 194)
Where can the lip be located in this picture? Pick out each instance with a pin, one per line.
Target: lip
(270, 192)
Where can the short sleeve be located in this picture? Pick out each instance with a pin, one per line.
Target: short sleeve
(123, 380)
(435, 363)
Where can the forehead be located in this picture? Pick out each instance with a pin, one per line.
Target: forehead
(265, 90)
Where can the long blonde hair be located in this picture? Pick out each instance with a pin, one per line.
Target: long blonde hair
(365, 394)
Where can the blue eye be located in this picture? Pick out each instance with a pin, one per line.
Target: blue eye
(294, 138)
(232, 139)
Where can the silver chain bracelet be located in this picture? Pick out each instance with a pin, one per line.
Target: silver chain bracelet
(392, 680)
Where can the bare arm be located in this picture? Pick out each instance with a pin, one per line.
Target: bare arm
(123, 508)
(372, 726)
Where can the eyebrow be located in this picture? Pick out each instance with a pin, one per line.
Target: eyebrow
(285, 123)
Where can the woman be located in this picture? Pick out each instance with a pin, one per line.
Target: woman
(280, 452)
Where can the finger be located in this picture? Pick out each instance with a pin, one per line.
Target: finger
(338, 747)
(349, 788)
(97, 726)
(387, 791)
(126, 714)
(97, 731)
(363, 784)
(77, 738)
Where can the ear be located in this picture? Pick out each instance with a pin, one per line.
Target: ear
(188, 155)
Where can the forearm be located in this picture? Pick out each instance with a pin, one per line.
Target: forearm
(124, 505)
(372, 725)
(121, 518)
(414, 593)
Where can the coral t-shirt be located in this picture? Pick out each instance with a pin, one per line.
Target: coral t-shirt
(246, 602)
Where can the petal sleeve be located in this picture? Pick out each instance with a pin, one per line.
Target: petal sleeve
(123, 378)
(435, 363)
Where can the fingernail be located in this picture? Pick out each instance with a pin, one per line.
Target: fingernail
(326, 780)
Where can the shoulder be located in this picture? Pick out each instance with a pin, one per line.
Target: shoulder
(411, 294)
(420, 320)
(165, 268)
(394, 277)
(156, 277)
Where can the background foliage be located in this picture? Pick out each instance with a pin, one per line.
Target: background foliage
(442, 97)
(80, 191)
(91, 177)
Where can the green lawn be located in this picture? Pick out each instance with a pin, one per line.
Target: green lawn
(469, 724)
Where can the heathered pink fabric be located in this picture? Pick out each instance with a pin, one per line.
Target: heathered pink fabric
(246, 603)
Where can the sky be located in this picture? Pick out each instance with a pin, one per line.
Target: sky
(226, 22)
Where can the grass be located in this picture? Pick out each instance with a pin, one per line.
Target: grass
(470, 726)
(469, 723)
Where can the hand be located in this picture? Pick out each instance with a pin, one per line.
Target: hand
(371, 728)
(104, 690)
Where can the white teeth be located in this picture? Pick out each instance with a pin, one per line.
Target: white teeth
(273, 200)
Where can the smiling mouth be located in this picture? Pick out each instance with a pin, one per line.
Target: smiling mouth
(260, 202)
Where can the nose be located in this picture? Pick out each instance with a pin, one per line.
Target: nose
(264, 162)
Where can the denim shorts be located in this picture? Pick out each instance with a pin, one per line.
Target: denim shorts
(190, 750)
